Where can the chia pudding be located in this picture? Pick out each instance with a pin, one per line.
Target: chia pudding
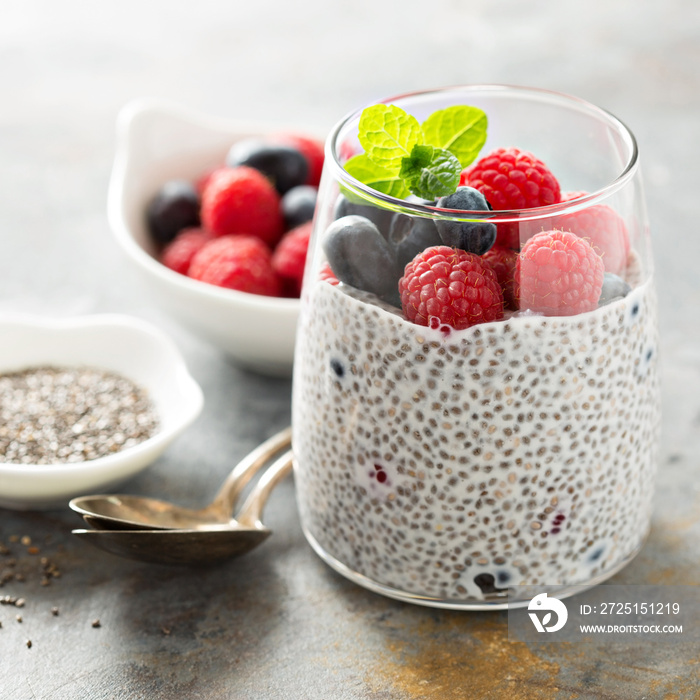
(476, 394)
(453, 466)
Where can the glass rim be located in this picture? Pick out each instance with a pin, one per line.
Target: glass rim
(371, 196)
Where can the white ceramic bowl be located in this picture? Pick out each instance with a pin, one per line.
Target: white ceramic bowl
(158, 141)
(122, 344)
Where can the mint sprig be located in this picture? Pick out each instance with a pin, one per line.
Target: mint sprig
(403, 156)
(376, 176)
(430, 172)
(460, 129)
(388, 134)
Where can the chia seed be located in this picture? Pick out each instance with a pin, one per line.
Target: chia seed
(51, 415)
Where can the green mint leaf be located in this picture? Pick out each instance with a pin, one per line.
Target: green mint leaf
(376, 176)
(388, 134)
(430, 172)
(460, 129)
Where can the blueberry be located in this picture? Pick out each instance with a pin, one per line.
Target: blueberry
(298, 205)
(614, 288)
(381, 218)
(285, 166)
(410, 235)
(338, 368)
(503, 577)
(393, 297)
(594, 556)
(359, 255)
(473, 236)
(174, 207)
(487, 584)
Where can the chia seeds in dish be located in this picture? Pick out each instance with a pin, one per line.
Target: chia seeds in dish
(452, 466)
(52, 415)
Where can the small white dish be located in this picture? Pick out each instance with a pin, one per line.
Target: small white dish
(159, 141)
(122, 344)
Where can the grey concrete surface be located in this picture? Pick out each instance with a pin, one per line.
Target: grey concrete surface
(278, 623)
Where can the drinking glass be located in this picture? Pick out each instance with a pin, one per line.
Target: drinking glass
(466, 468)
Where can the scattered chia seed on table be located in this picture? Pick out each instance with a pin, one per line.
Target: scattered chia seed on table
(52, 415)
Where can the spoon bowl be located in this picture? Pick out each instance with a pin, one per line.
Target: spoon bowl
(125, 512)
(176, 547)
(200, 546)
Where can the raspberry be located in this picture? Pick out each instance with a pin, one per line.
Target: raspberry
(559, 274)
(449, 286)
(326, 274)
(200, 184)
(289, 258)
(503, 261)
(512, 179)
(312, 150)
(236, 262)
(178, 254)
(604, 229)
(242, 200)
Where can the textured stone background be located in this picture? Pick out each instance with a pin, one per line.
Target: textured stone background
(279, 624)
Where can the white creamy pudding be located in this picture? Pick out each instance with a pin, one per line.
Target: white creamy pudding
(456, 464)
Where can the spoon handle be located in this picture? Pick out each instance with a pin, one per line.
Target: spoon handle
(231, 489)
(251, 511)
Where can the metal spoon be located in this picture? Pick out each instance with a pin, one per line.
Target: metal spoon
(209, 545)
(122, 512)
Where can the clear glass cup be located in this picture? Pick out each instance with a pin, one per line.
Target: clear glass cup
(466, 468)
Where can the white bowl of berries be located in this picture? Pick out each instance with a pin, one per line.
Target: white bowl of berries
(216, 216)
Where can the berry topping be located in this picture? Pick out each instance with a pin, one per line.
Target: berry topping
(242, 201)
(487, 584)
(360, 256)
(236, 262)
(312, 150)
(410, 235)
(378, 473)
(503, 261)
(338, 368)
(604, 229)
(450, 286)
(381, 218)
(559, 519)
(284, 165)
(289, 258)
(178, 254)
(512, 179)
(326, 274)
(174, 207)
(474, 236)
(596, 554)
(614, 288)
(559, 274)
(298, 205)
